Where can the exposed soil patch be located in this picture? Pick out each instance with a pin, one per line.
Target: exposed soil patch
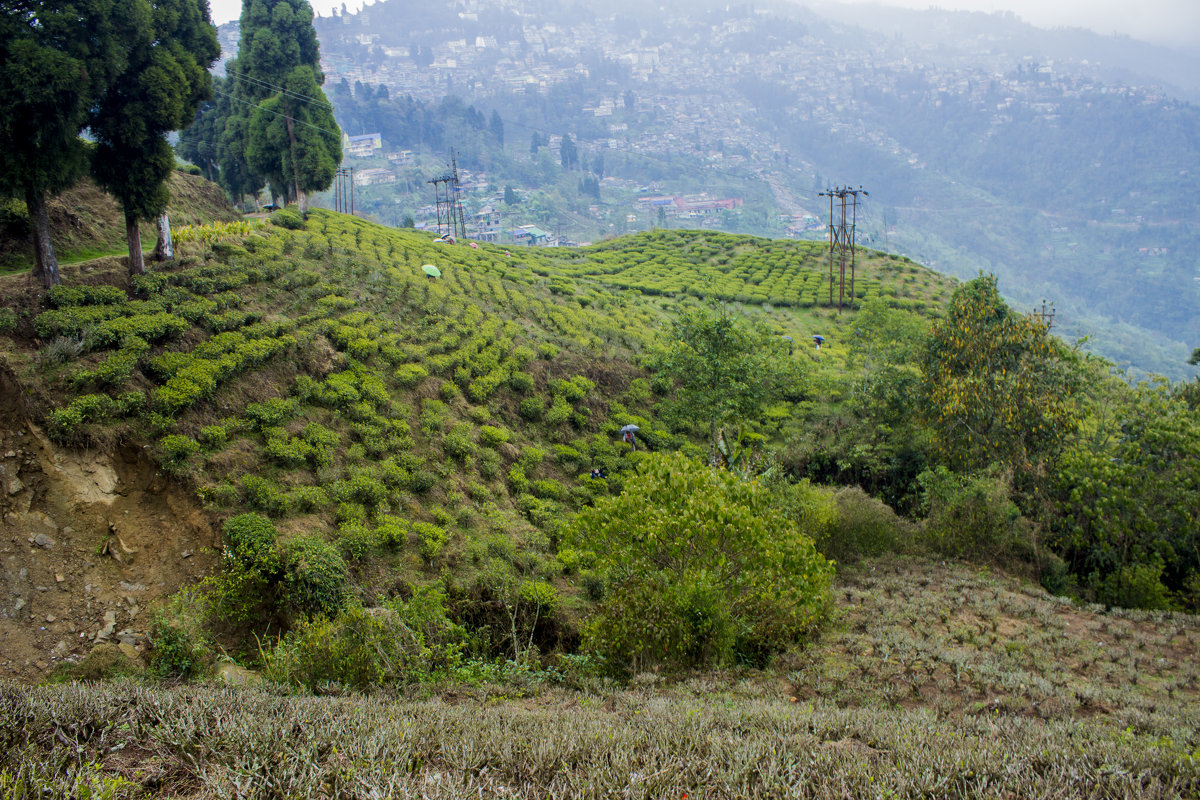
(89, 541)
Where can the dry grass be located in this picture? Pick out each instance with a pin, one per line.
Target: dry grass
(889, 704)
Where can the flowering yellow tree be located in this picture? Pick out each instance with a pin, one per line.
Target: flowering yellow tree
(997, 388)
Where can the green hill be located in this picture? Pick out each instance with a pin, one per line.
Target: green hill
(319, 377)
(396, 474)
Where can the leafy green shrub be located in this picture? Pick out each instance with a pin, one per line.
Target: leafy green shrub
(82, 410)
(286, 218)
(263, 494)
(517, 480)
(250, 544)
(548, 490)
(175, 452)
(458, 442)
(532, 408)
(179, 647)
(478, 492)
(520, 382)
(699, 568)
(422, 481)
(355, 540)
(489, 464)
(559, 412)
(861, 526)
(398, 643)
(308, 498)
(411, 375)
(391, 532)
(213, 436)
(490, 436)
(971, 516)
(315, 577)
(540, 595)
(431, 539)
(62, 296)
(1133, 586)
(288, 451)
(271, 413)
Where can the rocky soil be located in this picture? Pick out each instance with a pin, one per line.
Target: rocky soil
(89, 542)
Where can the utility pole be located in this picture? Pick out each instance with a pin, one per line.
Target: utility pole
(842, 238)
(1046, 317)
(343, 191)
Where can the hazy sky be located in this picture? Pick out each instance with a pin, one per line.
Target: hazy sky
(1164, 21)
(1175, 22)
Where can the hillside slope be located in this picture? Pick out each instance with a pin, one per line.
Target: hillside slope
(85, 221)
(433, 430)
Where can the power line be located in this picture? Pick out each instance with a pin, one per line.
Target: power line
(278, 113)
(281, 89)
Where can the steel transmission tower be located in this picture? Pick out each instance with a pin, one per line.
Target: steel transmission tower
(447, 192)
(841, 238)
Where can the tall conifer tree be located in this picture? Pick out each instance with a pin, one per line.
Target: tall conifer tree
(171, 45)
(56, 57)
(288, 133)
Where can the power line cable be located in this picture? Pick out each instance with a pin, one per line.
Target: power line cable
(281, 89)
(277, 113)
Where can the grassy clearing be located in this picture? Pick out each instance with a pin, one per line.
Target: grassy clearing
(1032, 714)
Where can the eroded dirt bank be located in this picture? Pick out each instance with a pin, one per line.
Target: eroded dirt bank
(89, 541)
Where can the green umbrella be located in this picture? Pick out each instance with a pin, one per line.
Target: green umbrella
(432, 271)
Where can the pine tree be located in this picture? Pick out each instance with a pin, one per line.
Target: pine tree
(496, 125)
(56, 57)
(170, 47)
(290, 138)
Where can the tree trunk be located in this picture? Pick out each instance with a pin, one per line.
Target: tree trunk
(137, 264)
(301, 198)
(45, 263)
(164, 248)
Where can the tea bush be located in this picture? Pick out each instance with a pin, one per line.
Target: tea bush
(355, 540)
(458, 442)
(250, 544)
(263, 494)
(315, 578)
(431, 539)
(532, 408)
(175, 452)
(286, 218)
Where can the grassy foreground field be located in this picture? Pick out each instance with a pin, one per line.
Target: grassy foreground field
(932, 681)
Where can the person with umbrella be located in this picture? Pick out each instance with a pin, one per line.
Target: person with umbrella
(431, 271)
(818, 339)
(627, 434)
